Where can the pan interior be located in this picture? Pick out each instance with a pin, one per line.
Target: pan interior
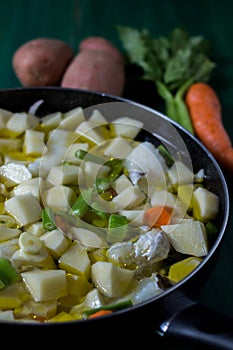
(158, 129)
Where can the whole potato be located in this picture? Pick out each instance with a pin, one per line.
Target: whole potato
(101, 44)
(41, 61)
(98, 66)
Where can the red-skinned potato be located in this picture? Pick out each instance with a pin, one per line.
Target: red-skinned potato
(101, 44)
(98, 66)
(41, 61)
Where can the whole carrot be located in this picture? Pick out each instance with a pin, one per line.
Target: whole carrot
(206, 115)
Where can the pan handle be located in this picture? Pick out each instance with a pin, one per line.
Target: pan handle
(197, 324)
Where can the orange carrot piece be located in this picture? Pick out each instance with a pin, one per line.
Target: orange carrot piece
(206, 115)
(100, 313)
(157, 216)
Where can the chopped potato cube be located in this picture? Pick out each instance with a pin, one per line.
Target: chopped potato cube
(4, 117)
(64, 175)
(13, 174)
(24, 208)
(188, 237)
(20, 122)
(52, 120)
(205, 204)
(183, 268)
(75, 260)
(98, 118)
(58, 142)
(34, 186)
(72, 119)
(55, 241)
(34, 143)
(118, 147)
(163, 197)
(180, 174)
(126, 127)
(59, 197)
(89, 131)
(113, 281)
(45, 285)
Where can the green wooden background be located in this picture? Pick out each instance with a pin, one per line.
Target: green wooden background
(72, 20)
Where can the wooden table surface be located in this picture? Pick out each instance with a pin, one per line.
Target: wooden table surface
(71, 21)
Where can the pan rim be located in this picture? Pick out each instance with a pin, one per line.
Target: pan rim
(221, 234)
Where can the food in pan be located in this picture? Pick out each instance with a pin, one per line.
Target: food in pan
(93, 219)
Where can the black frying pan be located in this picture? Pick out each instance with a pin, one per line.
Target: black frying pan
(170, 319)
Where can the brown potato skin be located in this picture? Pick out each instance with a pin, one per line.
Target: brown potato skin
(41, 61)
(101, 44)
(98, 66)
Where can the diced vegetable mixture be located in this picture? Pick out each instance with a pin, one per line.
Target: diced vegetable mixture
(91, 219)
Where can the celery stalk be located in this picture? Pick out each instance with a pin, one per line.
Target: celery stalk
(170, 103)
(181, 108)
(171, 62)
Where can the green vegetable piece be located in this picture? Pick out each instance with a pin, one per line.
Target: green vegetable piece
(8, 274)
(211, 231)
(170, 103)
(181, 108)
(211, 228)
(99, 211)
(166, 155)
(82, 204)
(116, 166)
(48, 220)
(117, 228)
(113, 307)
(81, 154)
(172, 63)
(103, 184)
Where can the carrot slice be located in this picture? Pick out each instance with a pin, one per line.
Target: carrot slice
(157, 216)
(100, 313)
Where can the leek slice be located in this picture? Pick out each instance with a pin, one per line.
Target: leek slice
(48, 219)
(82, 204)
(117, 228)
(8, 274)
